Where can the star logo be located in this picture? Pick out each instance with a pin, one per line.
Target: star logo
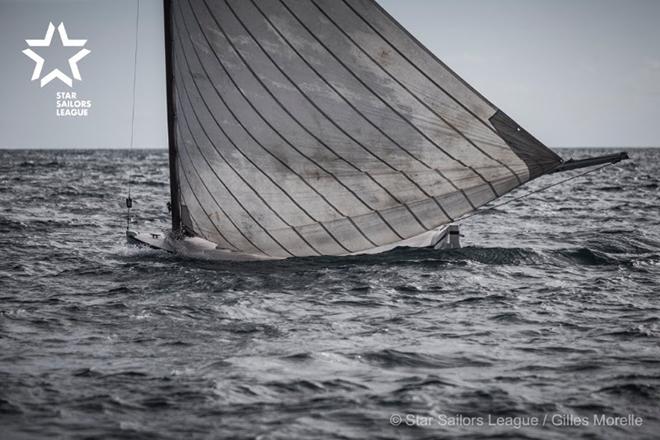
(56, 73)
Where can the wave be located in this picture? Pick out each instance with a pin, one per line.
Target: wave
(587, 257)
(390, 358)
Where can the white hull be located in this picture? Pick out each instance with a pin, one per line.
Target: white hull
(445, 237)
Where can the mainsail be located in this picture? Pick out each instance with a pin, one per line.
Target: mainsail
(322, 127)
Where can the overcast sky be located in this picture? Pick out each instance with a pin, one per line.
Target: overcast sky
(573, 72)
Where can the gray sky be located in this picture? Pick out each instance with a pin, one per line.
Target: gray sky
(574, 73)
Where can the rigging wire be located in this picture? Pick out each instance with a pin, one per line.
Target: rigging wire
(479, 211)
(129, 200)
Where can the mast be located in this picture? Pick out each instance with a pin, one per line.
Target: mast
(171, 129)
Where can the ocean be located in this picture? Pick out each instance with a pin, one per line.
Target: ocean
(545, 325)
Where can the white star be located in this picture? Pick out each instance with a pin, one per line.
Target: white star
(56, 73)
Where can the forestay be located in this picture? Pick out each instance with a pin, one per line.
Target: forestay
(321, 127)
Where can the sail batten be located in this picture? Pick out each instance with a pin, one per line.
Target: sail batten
(414, 158)
(322, 226)
(241, 211)
(233, 228)
(330, 159)
(441, 156)
(429, 65)
(456, 123)
(423, 107)
(316, 127)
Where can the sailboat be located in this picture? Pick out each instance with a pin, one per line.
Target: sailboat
(305, 128)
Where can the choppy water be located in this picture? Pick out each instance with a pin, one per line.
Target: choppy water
(551, 310)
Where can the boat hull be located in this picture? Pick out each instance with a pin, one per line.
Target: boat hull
(445, 237)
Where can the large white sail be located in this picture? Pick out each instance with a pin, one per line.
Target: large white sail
(321, 127)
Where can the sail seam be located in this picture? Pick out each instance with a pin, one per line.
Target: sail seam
(192, 164)
(412, 125)
(229, 191)
(288, 142)
(433, 57)
(322, 224)
(201, 205)
(247, 158)
(195, 224)
(403, 86)
(338, 242)
(361, 172)
(385, 135)
(431, 54)
(185, 89)
(451, 72)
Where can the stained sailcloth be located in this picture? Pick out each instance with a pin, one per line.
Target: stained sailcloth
(322, 127)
